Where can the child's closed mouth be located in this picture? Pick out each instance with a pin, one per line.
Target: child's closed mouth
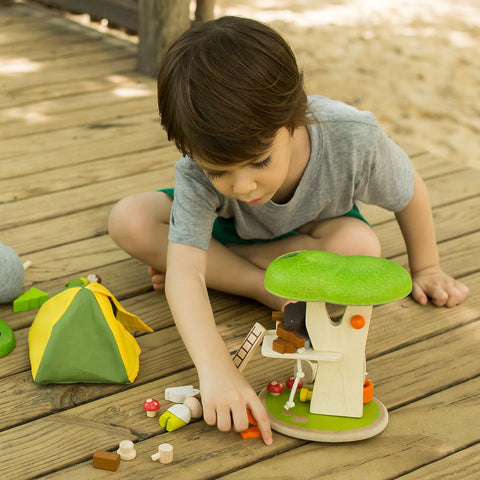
(257, 201)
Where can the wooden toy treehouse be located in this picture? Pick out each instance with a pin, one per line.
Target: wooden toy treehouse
(341, 407)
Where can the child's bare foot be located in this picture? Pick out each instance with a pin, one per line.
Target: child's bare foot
(158, 279)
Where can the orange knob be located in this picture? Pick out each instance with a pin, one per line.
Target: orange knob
(357, 321)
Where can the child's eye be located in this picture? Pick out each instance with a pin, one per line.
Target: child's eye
(213, 175)
(263, 163)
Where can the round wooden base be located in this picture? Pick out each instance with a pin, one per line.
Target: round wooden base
(298, 422)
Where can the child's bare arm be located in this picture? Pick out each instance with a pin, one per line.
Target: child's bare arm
(429, 281)
(226, 394)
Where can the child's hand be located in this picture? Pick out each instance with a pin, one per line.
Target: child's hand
(442, 290)
(226, 395)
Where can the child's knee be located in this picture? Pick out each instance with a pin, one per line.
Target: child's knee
(357, 238)
(347, 236)
(123, 220)
(137, 221)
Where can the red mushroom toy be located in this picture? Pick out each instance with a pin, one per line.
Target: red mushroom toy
(291, 381)
(275, 388)
(151, 406)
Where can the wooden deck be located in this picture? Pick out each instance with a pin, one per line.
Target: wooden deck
(79, 131)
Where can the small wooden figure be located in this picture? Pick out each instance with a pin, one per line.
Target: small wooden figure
(179, 394)
(126, 450)
(164, 454)
(106, 460)
(151, 407)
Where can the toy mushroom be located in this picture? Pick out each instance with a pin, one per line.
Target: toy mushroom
(151, 406)
(291, 381)
(359, 282)
(275, 388)
(126, 450)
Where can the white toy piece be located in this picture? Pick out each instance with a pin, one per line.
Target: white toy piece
(164, 454)
(126, 450)
(179, 394)
(195, 406)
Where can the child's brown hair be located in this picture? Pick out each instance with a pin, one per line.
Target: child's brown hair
(225, 87)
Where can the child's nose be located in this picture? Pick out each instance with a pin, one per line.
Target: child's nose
(243, 184)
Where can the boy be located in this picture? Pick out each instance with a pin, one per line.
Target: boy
(270, 171)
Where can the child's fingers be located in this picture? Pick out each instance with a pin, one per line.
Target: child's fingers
(240, 419)
(209, 415)
(224, 419)
(445, 294)
(457, 293)
(260, 415)
(418, 294)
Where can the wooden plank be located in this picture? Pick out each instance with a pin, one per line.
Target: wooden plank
(81, 144)
(464, 464)
(88, 173)
(93, 108)
(108, 78)
(452, 220)
(50, 43)
(84, 255)
(63, 79)
(453, 254)
(58, 70)
(405, 374)
(65, 229)
(119, 12)
(59, 203)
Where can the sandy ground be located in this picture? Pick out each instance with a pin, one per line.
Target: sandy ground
(414, 64)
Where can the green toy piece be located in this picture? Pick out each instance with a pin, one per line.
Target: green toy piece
(7, 338)
(314, 275)
(33, 298)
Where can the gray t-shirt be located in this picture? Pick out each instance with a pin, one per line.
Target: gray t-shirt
(351, 160)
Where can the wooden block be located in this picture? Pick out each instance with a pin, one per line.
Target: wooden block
(292, 337)
(281, 345)
(277, 316)
(106, 460)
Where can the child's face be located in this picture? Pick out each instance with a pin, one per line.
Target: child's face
(257, 181)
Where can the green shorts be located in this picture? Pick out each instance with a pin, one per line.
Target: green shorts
(225, 232)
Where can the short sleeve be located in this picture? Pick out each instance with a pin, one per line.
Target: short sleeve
(387, 174)
(194, 206)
